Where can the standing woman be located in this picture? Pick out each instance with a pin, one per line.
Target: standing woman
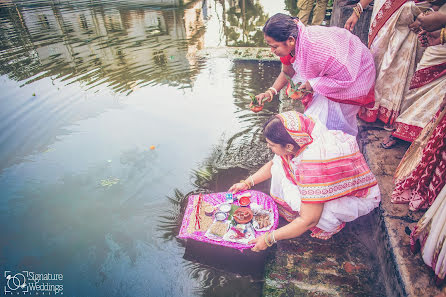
(329, 61)
(420, 180)
(393, 43)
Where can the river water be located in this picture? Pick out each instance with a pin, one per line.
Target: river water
(108, 118)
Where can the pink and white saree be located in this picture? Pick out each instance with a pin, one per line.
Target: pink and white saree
(341, 71)
(329, 169)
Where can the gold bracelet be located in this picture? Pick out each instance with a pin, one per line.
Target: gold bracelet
(358, 14)
(268, 244)
(246, 183)
(441, 36)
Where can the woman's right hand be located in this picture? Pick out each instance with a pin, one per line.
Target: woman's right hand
(235, 188)
(262, 97)
(351, 22)
(415, 26)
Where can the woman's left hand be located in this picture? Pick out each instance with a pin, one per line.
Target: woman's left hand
(260, 244)
(306, 86)
(429, 38)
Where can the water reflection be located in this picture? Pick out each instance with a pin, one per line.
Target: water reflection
(88, 87)
(124, 45)
(121, 47)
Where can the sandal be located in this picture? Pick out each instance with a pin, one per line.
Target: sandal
(389, 142)
(389, 127)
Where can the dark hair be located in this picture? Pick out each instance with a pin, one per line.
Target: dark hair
(274, 130)
(281, 26)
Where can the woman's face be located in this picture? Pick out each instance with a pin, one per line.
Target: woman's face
(280, 48)
(277, 148)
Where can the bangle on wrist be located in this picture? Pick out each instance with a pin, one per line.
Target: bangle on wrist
(441, 36)
(270, 94)
(356, 11)
(246, 183)
(252, 181)
(273, 89)
(273, 238)
(268, 244)
(360, 6)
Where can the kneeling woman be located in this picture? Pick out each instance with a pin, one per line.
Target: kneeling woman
(319, 178)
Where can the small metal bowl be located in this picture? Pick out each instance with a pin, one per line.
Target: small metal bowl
(220, 216)
(224, 207)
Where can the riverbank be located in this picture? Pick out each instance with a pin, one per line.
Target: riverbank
(310, 267)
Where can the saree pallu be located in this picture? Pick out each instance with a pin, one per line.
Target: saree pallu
(429, 236)
(395, 52)
(336, 212)
(422, 171)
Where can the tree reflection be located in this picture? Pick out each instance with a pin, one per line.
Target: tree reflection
(243, 23)
(122, 46)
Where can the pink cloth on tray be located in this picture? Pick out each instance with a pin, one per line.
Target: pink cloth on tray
(216, 198)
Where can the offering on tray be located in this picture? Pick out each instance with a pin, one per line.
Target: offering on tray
(224, 207)
(243, 215)
(217, 230)
(262, 221)
(209, 209)
(205, 222)
(255, 208)
(240, 233)
(244, 201)
(220, 216)
(200, 221)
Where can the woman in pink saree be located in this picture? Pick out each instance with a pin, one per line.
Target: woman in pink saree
(328, 61)
(319, 178)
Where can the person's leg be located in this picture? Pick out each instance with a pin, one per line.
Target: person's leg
(319, 12)
(305, 7)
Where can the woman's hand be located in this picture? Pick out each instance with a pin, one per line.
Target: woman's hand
(415, 26)
(432, 21)
(235, 188)
(262, 97)
(259, 242)
(306, 86)
(351, 22)
(429, 38)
